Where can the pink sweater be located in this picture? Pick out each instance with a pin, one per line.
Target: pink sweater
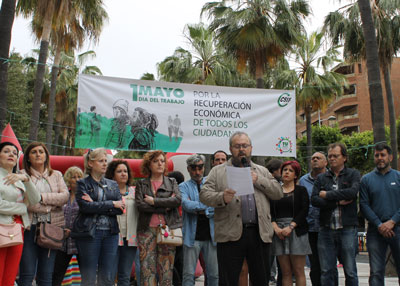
(51, 202)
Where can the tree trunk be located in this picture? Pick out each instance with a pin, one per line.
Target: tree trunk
(41, 68)
(392, 114)
(52, 99)
(7, 13)
(56, 138)
(64, 141)
(259, 75)
(307, 111)
(374, 77)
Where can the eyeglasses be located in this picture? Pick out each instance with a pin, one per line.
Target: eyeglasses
(198, 167)
(334, 156)
(239, 146)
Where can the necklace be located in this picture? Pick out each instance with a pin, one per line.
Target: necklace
(126, 191)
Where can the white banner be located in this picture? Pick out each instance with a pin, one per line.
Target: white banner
(127, 114)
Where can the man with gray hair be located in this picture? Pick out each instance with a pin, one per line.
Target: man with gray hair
(243, 229)
(198, 225)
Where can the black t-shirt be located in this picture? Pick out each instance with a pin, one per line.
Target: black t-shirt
(284, 206)
(203, 225)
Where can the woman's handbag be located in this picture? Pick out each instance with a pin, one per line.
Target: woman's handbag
(168, 236)
(10, 235)
(50, 236)
(84, 228)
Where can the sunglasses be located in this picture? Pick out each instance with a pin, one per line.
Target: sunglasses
(198, 167)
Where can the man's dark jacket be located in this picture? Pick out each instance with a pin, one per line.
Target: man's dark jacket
(348, 187)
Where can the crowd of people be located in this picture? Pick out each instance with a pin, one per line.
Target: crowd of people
(110, 221)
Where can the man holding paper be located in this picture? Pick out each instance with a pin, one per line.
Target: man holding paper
(240, 191)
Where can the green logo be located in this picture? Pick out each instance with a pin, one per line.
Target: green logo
(284, 145)
(284, 99)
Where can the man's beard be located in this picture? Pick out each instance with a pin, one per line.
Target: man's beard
(237, 161)
(197, 178)
(382, 168)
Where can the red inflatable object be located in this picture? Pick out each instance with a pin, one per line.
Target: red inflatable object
(62, 163)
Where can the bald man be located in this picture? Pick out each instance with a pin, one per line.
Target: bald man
(318, 166)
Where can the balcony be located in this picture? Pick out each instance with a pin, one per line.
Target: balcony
(349, 121)
(344, 102)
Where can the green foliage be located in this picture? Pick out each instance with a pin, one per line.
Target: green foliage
(203, 63)
(321, 138)
(21, 77)
(359, 147)
(360, 151)
(147, 76)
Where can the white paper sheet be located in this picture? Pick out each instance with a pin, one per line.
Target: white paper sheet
(239, 180)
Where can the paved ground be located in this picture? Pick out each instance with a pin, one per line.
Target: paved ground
(363, 274)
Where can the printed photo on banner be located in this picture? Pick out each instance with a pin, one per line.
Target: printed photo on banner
(127, 114)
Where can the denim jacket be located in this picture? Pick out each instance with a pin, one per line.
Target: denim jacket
(87, 210)
(191, 205)
(313, 212)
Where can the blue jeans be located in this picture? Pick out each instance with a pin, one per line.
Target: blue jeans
(126, 256)
(342, 243)
(98, 254)
(377, 246)
(137, 266)
(35, 261)
(190, 257)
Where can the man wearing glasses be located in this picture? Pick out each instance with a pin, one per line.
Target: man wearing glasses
(335, 193)
(198, 225)
(243, 228)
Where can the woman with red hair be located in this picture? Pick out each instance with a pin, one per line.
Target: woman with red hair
(290, 242)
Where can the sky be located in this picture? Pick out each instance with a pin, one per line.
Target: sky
(140, 34)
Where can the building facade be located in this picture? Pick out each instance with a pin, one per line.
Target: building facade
(352, 111)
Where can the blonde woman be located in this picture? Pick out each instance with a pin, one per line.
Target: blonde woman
(71, 209)
(99, 203)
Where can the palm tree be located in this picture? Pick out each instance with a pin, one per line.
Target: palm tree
(176, 68)
(147, 76)
(50, 13)
(348, 26)
(314, 88)
(202, 64)
(7, 13)
(40, 9)
(67, 95)
(257, 32)
(78, 25)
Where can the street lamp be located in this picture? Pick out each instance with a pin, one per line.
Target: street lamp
(332, 117)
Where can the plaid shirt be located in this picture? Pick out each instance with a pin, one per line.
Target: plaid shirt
(71, 211)
(336, 218)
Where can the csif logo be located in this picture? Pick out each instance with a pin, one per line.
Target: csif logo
(284, 99)
(163, 92)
